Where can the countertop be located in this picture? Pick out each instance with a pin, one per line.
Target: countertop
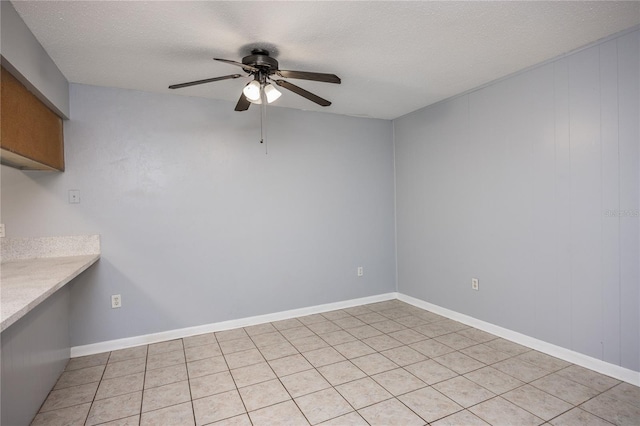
(30, 277)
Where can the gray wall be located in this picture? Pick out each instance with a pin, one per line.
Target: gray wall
(27, 60)
(198, 225)
(512, 184)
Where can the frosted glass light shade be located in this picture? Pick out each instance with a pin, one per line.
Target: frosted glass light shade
(271, 93)
(252, 91)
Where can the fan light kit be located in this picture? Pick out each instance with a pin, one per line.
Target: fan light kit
(263, 68)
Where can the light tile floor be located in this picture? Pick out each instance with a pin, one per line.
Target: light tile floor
(386, 363)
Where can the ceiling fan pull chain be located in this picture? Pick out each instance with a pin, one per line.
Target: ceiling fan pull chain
(263, 121)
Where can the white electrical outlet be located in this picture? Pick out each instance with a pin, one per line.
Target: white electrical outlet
(360, 271)
(2, 230)
(475, 284)
(116, 301)
(74, 196)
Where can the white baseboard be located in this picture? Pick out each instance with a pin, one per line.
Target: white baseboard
(615, 371)
(112, 345)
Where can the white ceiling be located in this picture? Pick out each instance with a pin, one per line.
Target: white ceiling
(393, 57)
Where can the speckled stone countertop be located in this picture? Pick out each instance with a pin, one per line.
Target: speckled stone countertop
(33, 269)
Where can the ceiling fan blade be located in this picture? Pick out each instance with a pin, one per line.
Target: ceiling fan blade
(246, 67)
(300, 91)
(315, 76)
(243, 103)
(207, 80)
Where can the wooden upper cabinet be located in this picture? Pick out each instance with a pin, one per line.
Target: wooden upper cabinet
(31, 135)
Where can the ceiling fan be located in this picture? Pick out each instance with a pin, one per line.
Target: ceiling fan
(264, 70)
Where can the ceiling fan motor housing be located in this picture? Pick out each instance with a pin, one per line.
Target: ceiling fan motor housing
(260, 58)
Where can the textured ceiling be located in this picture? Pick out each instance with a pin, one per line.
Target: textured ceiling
(393, 57)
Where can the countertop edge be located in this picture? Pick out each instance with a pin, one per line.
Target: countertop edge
(42, 297)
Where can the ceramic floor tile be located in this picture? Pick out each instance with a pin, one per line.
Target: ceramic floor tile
(211, 384)
(79, 377)
(129, 353)
(408, 336)
(279, 350)
(625, 392)
(578, 417)
(382, 342)
(70, 416)
(323, 356)
(390, 413)
(337, 337)
(199, 340)
(363, 392)
(236, 345)
(252, 374)
(305, 382)
(244, 358)
(297, 333)
(507, 346)
(165, 359)
(256, 330)
(204, 367)
(217, 407)
(398, 381)
(565, 389)
(485, 354)
(521, 370)
(364, 332)
(284, 413)
(290, 365)
(124, 368)
(168, 346)
(306, 344)
(357, 310)
(114, 408)
(341, 372)
(236, 333)
(323, 327)
(165, 396)
(404, 355)
(477, 335)
(429, 404)
(241, 420)
(456, 341)
(617, 412)
(263, 394)
(371, 318)
(323, 405)
(537, 402)
(127, 421)
(451, 325)
(461, 418)
(312, 319)
(286, 324)
(500, 412)
(459, 362)
(268, 339)
(351, 419)
(337, 314)
(120, 385)
(164, 376)
(354, 349)
(374, 363)
(494, 380)
(181, 414)
(432, 330)
(349, 322)
(411, 321)
(430, 371)
(431, 348)
(87, 361)
(209, 350)
(463, 391)
(388, 326)
(589, 378)
(544, 361)
(68, 397)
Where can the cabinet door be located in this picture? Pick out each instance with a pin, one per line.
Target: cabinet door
(30, 133)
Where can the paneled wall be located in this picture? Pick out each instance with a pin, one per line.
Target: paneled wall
(531, 185)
